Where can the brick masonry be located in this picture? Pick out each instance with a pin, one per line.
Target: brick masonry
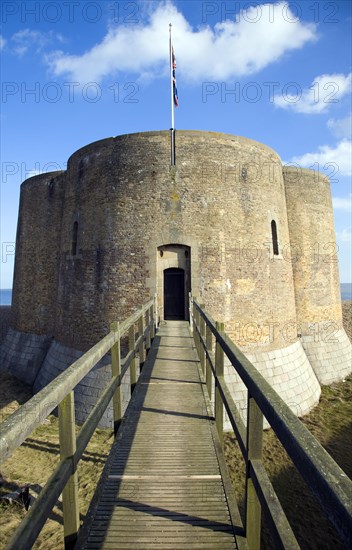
(289, 373)
(5, 321)
(22, 354)
(219, 203)
(89, 389)
(329, 352)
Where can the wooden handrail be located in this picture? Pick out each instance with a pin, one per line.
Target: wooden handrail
(59, 392)
(326, 480)
(17, 427)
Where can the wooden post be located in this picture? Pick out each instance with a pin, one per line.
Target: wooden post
(67, 432)
(219, 371)
(195, 332)
(254, 451)
(148, 324)
(141, 327)
(196, 319)
(193, 323)
(191, 313)
(155, 314)
(116, 370)
(133, 370)
(202, 337)
(208, 372)
(152, 326)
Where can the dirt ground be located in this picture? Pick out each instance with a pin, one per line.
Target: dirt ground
(347, 317)
(34, 461)
(330, 423)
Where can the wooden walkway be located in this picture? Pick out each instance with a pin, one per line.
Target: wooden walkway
(162, 486)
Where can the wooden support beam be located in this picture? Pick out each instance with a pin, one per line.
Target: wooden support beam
(141, 328)
(197, 332)
(155, 315)
(148, 317)
(67, 434)
(190, 312)
(219, 371)
(116, 371)
(208, 372)
(133, 369)
(254, 452)
(201, 340)
(194, 312)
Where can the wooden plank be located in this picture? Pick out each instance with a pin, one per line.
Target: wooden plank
(163, 487)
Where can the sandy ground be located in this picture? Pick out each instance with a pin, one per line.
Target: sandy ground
(330, 423)
(33, 462)
(347, 317)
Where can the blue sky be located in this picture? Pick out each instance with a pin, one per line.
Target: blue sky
(74, 72)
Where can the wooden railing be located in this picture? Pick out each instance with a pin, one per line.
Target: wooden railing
(59, 393)
(327, 481)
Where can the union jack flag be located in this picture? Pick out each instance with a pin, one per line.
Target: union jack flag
(173, 68)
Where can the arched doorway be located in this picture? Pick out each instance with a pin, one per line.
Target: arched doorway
(174, 294)
(173, 281)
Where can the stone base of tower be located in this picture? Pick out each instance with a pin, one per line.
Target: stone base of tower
(22, 354)
(289, 373)
(329, 351)
(295, 372)
(87, 392)
(37, 360)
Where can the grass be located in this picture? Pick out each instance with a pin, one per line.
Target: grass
(331, 424)
(35, 460)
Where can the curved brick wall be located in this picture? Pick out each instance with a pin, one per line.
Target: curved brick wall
(107, 194)
(219, 200)
(37, 251)
(93, 243)
(316, 275)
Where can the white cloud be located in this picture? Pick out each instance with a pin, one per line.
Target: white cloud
(325, 90)
(2, 42)
(342, 203)
(230, 48)
(344, 236)
(25, 39)
(336, 160)
(341, 127)
(32, 173)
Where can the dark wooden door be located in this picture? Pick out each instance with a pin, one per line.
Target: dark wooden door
(174, 294)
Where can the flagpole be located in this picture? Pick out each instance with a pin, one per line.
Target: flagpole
(172, 129)
(171, 81)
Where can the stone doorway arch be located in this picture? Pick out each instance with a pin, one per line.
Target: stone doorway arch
(174, 277)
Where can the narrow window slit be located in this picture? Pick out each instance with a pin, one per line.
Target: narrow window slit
(74, 238)
(274, 237)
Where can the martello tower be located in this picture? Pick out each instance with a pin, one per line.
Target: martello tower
(253, 241)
